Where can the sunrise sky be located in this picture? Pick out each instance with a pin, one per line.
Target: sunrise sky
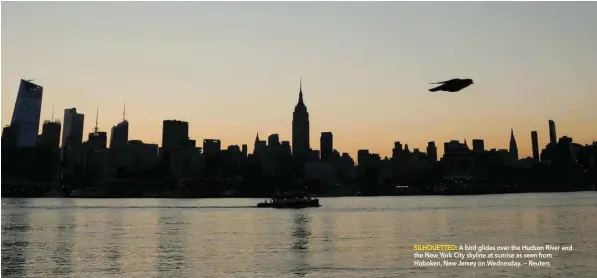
(231, 69)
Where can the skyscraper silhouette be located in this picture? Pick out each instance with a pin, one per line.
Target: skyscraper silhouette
(97, 139)
(273, 141)
(513, 147)
(326, 143)
(285, 147)
(256, 143)
(300, 127)
(259, 146)
(174, 134)
(432, 151)
(72, 131)
(119, 135)
(245, 150)
(50, 135)
(397, 150)
(553, 139)
(211, 146)
(10, 135)
(478, 145)
(26, 113)
(535, 144)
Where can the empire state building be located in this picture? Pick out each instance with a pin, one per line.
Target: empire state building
(300, 127)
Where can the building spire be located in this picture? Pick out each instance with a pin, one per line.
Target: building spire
(301, 90)
(257, 137)
(52, 112)
(96, 118)
(512, 140)
(513, 147)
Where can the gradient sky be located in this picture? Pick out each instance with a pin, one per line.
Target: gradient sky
(231, 69)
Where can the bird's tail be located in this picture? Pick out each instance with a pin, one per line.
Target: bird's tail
(434, 89)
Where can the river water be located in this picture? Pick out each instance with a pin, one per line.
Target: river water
(346, 237)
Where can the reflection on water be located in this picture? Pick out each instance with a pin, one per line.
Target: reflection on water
(300, 244)
(112, 248)
(63, 242)
(326, 257)
(347, 237)
(14, 239)
(170, 248)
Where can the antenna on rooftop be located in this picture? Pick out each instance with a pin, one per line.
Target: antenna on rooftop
(96, 117)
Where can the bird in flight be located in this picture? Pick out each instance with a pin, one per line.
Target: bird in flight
(452, 85)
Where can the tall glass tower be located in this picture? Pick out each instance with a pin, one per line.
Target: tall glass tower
(27, 112)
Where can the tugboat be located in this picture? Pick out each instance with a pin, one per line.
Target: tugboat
(295, 201)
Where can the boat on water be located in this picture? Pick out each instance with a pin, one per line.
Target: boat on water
(295, 202)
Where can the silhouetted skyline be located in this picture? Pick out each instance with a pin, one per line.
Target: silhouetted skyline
(364, 80)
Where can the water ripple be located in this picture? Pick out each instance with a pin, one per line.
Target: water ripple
(347, 237)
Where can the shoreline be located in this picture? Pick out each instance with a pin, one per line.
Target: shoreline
(262, 197)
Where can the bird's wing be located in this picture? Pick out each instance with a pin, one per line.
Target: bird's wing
(442, 82)
(436, 88)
